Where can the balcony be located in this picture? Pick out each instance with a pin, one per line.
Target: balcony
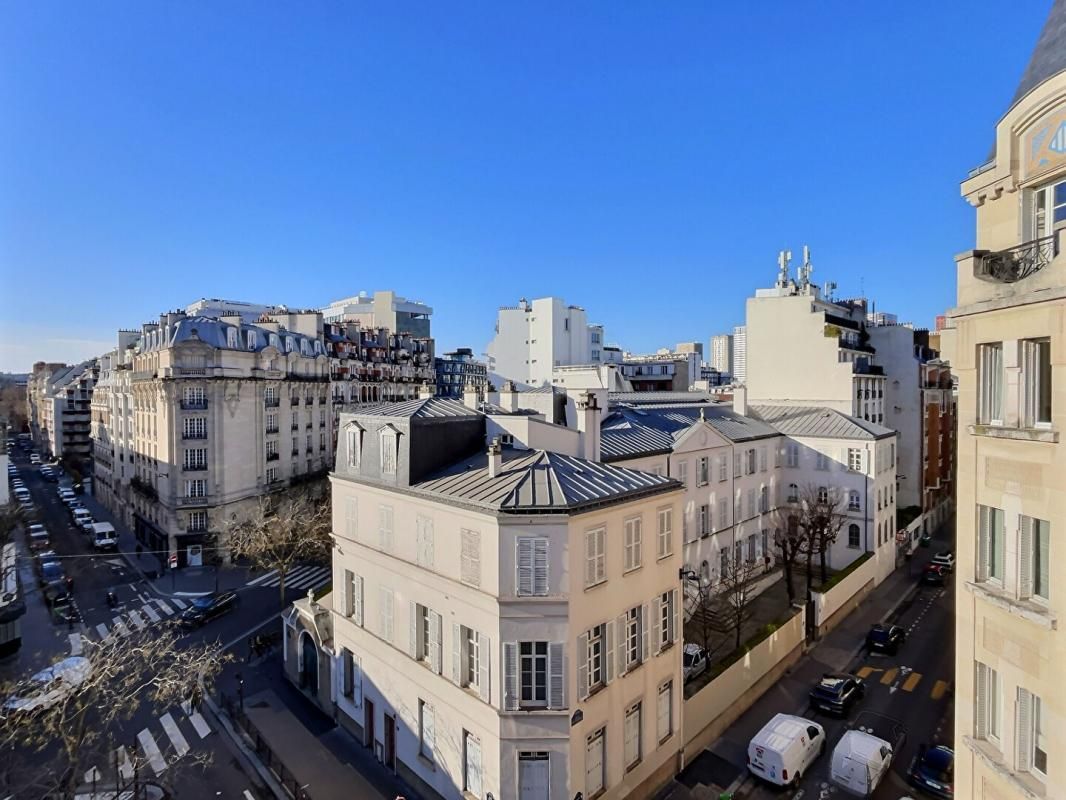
(194, 405)
(193, 467)
(1004, 277)
(194, 435)
(271, 402)
(296, 426)
(862, 368)
(273, 456)
(273, 429)
(309, 425)
(203, 500)
(1016, 263)
(143, 489)
(294, 400)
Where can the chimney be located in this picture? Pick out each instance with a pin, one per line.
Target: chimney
(509, 396)
(588, 424)
(495, 457)
(425, 391)
(740, 400)
(471, 397)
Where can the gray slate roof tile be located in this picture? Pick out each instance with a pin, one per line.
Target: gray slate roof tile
(818, 421)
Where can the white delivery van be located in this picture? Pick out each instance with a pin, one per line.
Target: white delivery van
(104, 536)
(860, 761)
(785, 747)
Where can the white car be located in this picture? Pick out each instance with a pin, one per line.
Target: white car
(694, 661)
(946, 560)
(50, 686)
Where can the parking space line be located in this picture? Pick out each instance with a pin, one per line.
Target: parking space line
(912, 681)
(889, 676)
(938, 689)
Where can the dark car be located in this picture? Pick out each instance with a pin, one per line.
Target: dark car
(933, 771)
(837, 692)
(934, 575)
(885, 638)
(204, 609)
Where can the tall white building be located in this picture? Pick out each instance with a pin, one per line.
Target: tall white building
(534, 337)
(739, 367)
(722, 352)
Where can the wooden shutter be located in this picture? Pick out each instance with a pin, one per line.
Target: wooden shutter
(429, 729)
(473, 766)
(484, 666)
(645, 651)
(345, 598)
(981, 681)
(1001, 543)
(470, 556)
(435, 636)
(556, 676)
(1025, 556)
(510, 676)
(1024, 734)
(675, 616)
(457, 654)
(1043, 542)
(656, 624)
(524, 565)
(412, 648)
(983, 542)
(621, 642)
(357, 681)
(582, 657)
(540, 567)
(357, 606)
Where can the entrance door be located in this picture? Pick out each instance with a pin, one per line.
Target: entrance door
(309, 655)
(533, 776)
(390, 742)
(368, 724)
(195, 555)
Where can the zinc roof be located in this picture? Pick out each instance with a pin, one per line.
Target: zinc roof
(630, 431)
(421, 408)
(819, 422)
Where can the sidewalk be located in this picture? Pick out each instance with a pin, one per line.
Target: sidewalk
(722, 766)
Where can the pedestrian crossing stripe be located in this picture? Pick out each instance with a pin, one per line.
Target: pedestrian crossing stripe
(137, 620)
(304, 577)
(158, 759)
(912, 681)
(200, 724)
(151, 752)
(178, 602)
(164, 607)
(170, 727)
(866, 672)
(889, 676)
(150, 612)
(938, 689)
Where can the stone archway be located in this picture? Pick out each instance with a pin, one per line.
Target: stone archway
(309, 664)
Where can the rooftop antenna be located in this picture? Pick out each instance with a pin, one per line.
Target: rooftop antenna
(784, 258)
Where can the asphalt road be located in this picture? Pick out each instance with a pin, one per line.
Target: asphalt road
(181, 736)
(908, 694)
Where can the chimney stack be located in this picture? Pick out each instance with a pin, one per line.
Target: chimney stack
(509, 396)
(471, 397)
(425, 391)
(495, 457)
(588, 424)
(740, 400)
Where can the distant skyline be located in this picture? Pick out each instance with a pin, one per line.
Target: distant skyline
(644, 161)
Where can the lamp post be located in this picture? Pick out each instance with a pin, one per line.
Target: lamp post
(240, 691)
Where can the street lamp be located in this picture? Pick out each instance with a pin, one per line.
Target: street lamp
(240, 691)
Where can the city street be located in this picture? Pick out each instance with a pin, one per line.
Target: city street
(163, 737)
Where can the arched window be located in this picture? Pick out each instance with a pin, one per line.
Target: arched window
(854, 536)
(793, 493)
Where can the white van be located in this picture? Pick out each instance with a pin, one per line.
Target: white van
(860, 761)
(104, 536)
(785, 747)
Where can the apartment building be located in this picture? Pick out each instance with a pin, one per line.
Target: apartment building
(202, 417)
(536, 336)
(459, 371)
(382, 310)
(505, 621)
(939, 418)
(722, 352)
(1006, 341)
(739, 365)
(375, 365)
(58, 397)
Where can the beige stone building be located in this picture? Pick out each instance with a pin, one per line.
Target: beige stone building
(1008, 347)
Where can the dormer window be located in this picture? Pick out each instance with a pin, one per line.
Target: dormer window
(288, 344)
(274, 341)
(318, 347)
(231, 338)
(355, 444)
(253, 340)
(388, 442)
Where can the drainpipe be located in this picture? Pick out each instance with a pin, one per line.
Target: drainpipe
(866, 499)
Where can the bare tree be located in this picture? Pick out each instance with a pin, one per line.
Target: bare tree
(822, 513)
(732, 601)
(11, 516)
(77, 728)
(285, 531)
(789, 543)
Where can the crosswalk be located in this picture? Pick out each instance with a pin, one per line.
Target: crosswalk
(308, 577)
(902, 679)
(150, 612)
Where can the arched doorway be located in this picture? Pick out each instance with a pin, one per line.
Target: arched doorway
(309, 661)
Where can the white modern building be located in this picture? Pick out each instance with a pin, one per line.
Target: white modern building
(739, 367)
(215, 307)
(536, 336)
(382, 310)
(722, 352)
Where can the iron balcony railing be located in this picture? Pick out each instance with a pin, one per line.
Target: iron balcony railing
(272, 429)
(194, 435)
(193, 467)
(272, 402)
(1018, 263)
(273, 456)
(194, 405)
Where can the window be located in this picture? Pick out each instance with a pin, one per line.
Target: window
(595, 763)
(197, 521)
(703, 478)
(664, 541)
(793, 454)
(1039, 743)
(272, 423)
(1036, 377)
(854, 501)
(470, 651)
(271, 448)
(196, 488)
(595, 562)
(854, 536)
(793, 493)
(632, 736)
(990, 383)
(723, 513)
(423, 627)
(351, 679)
(355, 444)
(348, 601)
(193, 396)
(855, 459)
(823, 495)
(385, 528)
(682, 472)
(632, 633)
(737, 465)
(986, 712)
(705, 520)
(752, 501)
(665, 708)
(633, 545)
(194, 428)
(667, 623)
(723, 468)
(1033, 558)
(425, 729)
(533, 671)
(753, 543)
(766, 544)
(470, 557)
(821, 461)
(1047, 208)
(270, 394)
(424, 541)
(1029, 732)
(388, 441)
(762, 459)
(595, 657)
(751, 462)
(991, 544)
(764, 499)
(531, 564)
(385, 613)
(196, 459)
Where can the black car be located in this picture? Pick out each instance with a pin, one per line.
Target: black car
(933, 771)
(885, 639)
(837, 692)
(204, 609)
(934, 575)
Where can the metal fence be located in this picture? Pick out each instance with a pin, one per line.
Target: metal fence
(270, 759)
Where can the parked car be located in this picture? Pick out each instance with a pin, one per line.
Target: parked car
(860, 762)
(81, 517)
(837, 692)
(933, 771)
(945, 559)
(785, 747)
(38, 538)
(206, 608)
(934, 575)
(50, 686)
(885, 638)
(694, 661)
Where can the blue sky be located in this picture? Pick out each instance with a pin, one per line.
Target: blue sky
(644, 160)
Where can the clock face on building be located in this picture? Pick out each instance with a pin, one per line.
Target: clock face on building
(1044, 143)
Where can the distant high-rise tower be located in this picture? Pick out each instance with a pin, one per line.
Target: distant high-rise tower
(740, 354)
(722, 352)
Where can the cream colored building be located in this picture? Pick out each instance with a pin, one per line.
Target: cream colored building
(503, 623)
(1008, 347)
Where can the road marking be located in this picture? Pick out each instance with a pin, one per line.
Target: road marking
(866, 672)
(147, 609)
(889, 676)
(92, 775)
(200, 724)
(120, 626)
(181, 747)
(248, 795)
(151, 752)
(125, 768)
(75, 645)
(262, 578)
(102, 630)
(938, 689)
(164, 607)
(177, 602)
(912, 681)
(137, 620)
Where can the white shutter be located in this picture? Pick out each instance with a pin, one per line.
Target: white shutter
(664, 712)
(608, 652)
(1025, 557)
(844, 460)
(620, 643)
(412, 648)
(631, 745)
(345, 598)
(457, 654)
(1044, 567)
(484, 666)
(540, 567)
(645, 651)
(556, 676)
(510, 676)
(435, 636)
(981, 679)
(983, 542)
(357, 681)
(524, 565)
(473, 766)
(351, 517)
(582, 658)
(470, 555)
(429, 729)
(357, 589)
(656, 622)
(1001, 543)
(675, 616)
(1025, 730)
